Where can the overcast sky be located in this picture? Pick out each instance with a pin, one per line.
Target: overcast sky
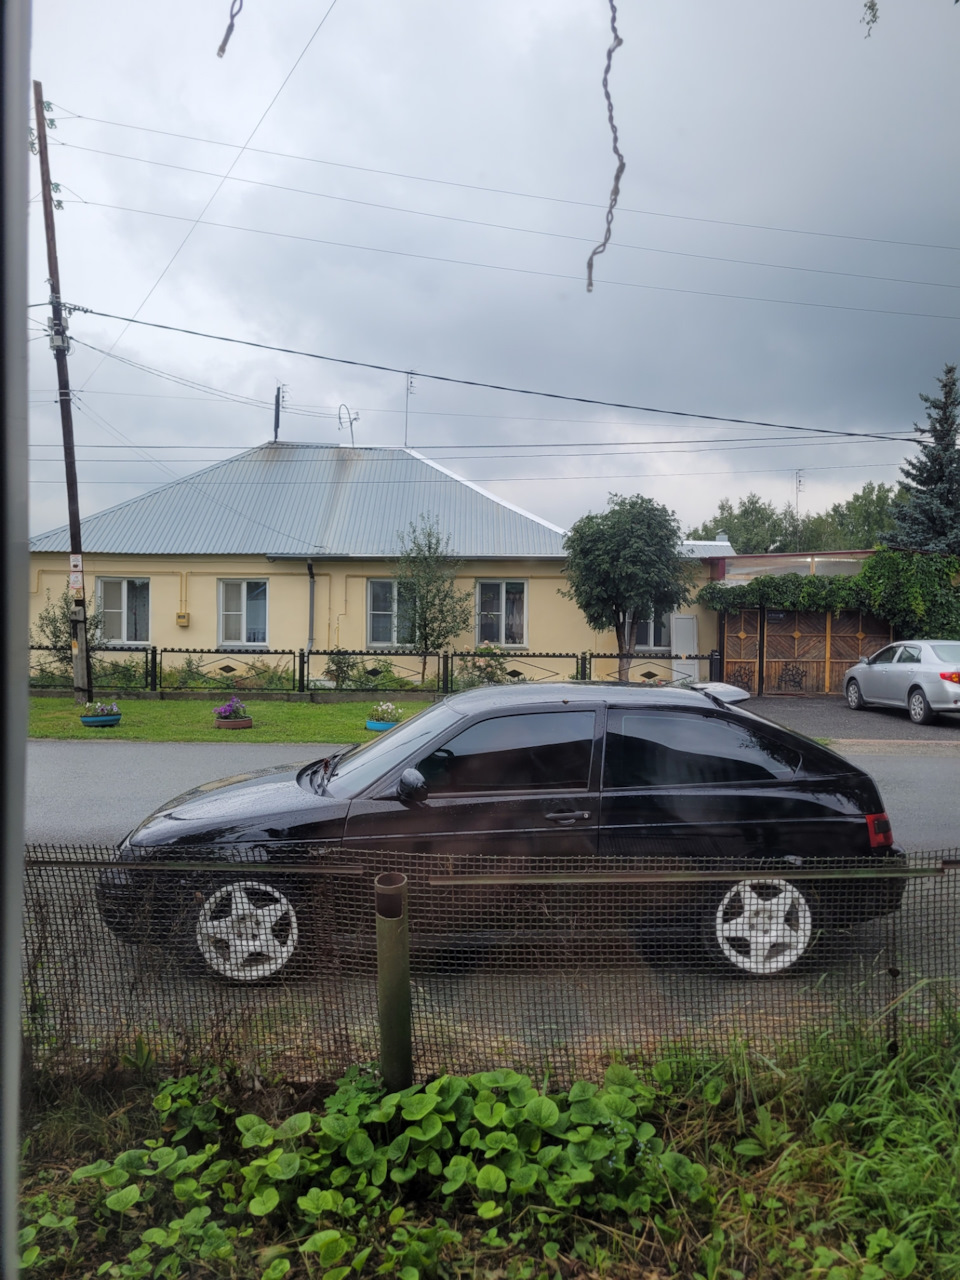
(422, 189)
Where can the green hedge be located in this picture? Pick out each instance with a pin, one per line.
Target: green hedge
(915, 592)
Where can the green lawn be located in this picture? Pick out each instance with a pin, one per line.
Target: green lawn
(192, 721)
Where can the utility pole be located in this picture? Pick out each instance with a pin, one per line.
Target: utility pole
(799, 485)
(60, 345)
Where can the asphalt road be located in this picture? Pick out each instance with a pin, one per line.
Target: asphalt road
(95, 792)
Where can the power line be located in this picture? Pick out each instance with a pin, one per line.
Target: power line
(219, 186)
(489, 386)
(727, 445)
(524, 271)
(579, 478)
(499, 226)
(503, 191)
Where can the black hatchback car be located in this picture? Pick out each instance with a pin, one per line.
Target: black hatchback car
(755, 825)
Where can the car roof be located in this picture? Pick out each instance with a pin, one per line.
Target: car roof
(493, 697)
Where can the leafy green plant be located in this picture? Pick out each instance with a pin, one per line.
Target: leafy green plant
(916, 593)
(487, 665)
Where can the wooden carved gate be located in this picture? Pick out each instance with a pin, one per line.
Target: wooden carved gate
(853, 635)
(796, 652)
(741, 649)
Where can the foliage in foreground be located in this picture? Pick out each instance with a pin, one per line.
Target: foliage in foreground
(715, 1170)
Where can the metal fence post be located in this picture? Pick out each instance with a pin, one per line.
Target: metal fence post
(301, 671)
(446, 673)
(716, 672)
(153, 668)
(393, 980)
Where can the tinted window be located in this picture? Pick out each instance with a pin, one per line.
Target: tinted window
(946, 652)
(909, 653)
(510, 753)
(666, 748)
(885, 655)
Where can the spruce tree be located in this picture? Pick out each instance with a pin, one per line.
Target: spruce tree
(929, 518)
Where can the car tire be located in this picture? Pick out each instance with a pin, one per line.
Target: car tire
(244, 930)
(761, 928)
(854, 697)
(919, 708)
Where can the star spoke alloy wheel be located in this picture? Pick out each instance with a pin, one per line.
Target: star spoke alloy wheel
(763, 927)
(247, 931)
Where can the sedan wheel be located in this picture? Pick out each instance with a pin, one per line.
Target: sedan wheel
(919, 708)
(761, 927)
(854, 696)
(243, 931)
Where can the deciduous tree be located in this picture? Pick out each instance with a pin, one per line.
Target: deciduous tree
(624, 566)
(437, 611)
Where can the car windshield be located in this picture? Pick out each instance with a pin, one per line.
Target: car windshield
(946, 652)
(362, 765)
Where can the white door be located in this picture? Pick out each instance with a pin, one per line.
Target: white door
(684, 632)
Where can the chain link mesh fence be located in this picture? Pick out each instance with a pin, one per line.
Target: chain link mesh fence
(553, 968)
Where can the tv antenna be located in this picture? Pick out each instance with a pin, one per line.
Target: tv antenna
(347, 419)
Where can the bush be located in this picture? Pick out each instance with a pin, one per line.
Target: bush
(487, 666)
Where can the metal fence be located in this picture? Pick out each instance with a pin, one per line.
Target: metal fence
(550, 968)
(156, 669)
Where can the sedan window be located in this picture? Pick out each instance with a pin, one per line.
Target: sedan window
(884, 656)
(515, 753)
(666, 749)
(909, 653)
(946, 652)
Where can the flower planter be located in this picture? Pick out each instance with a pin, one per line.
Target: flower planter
(243, 722)
(99, 722)
(378, 726)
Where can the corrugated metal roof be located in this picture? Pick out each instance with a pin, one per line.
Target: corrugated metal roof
(286, 499)
(705, 549)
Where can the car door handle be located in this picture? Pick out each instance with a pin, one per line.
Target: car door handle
(568, 816)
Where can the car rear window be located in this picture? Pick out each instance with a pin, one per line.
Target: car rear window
(674, 748)
(541, 750)
(947, 652)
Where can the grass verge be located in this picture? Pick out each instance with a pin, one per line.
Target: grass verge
(723, 1168)
(192, 721)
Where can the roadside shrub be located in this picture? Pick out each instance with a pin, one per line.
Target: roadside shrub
(487, 666)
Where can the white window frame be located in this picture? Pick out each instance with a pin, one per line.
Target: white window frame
(502, 584)
(242, 644)
(656, 648)
(392, 643)
(123, 580)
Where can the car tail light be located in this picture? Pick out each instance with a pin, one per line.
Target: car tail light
(952, 676)
(880, 830)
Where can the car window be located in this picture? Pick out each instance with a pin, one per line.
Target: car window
(518, 752)
(371, 760)
(909, 653)
(885, 655)
(667, 748)
(946, 652)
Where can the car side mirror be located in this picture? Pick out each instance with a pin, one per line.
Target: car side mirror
(412, 787)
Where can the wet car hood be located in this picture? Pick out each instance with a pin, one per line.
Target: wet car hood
(262, 804)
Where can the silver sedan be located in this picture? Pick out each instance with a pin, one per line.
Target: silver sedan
(922, 676)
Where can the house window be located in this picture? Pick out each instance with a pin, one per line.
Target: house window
(389, 613)
(243, 611)
(125, 609)
(654, 633)
(502, 613)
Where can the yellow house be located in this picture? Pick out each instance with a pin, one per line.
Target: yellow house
(291, 547)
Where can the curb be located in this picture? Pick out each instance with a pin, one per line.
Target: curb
(893, 746)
